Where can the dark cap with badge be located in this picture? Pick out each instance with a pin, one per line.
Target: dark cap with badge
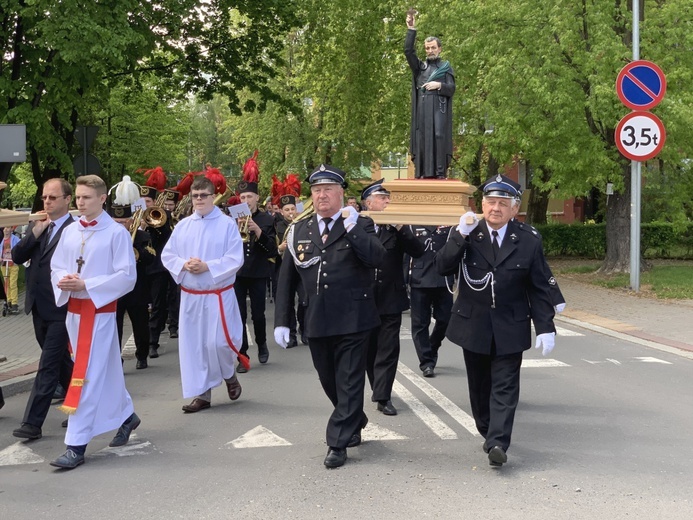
(327, 174)
(171, 195)
(376, 188)
(117, 211)
(286, 200)
(502, 187)
(148, 191)
(247, 187)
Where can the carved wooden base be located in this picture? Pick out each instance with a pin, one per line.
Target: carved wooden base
(430, 202)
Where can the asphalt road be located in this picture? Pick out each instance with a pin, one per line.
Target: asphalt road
(602, 431)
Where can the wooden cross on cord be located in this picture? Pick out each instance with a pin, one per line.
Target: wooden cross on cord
(80, 263)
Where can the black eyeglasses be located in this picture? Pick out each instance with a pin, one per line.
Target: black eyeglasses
(202, 196)
(52, 197)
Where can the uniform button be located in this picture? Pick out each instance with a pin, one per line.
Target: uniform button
(324, 274)
(324, 262)
(323, 250)
(494, 269)
(365, 296)
(325, 286)
(518, 265)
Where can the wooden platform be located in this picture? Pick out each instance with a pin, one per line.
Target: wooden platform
(429, 202)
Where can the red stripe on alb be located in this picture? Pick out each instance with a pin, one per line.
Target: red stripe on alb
(241, 357)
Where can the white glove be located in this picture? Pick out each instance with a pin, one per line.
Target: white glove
(560, 308)
(281, 336)
(350, 221)
(465, 228)
(546, 340)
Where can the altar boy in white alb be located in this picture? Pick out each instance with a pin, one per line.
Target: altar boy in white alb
(94, 265)
(204, 254)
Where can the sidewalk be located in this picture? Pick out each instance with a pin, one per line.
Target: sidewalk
(661, 324)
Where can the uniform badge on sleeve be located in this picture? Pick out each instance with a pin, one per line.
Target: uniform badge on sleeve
(552, 281)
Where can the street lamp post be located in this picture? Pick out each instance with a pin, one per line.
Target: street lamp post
(399, 170)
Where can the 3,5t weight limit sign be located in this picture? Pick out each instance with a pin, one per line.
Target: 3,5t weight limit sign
(640, 136)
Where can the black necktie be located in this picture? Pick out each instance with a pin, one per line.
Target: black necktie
(47, 238)
(326, 229)
(496, 245)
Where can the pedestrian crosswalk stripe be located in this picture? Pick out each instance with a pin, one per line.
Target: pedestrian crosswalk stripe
(129, 348)
(258, 437)
(543, 363)
(647, 359)
(374, 432)
(437, 426)
(441, 400)
(19, 453)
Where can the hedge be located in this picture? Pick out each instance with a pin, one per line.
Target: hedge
(657, 240)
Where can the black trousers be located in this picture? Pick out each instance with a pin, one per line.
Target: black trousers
(158, 290)
(55, 366)
(383, 356)
(137, 312)
(255, 288)
(173, 302)
(423, 300)
(341, 365)
(494, 391)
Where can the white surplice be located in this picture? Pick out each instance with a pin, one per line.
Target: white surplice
(109, 273)
(205, 356)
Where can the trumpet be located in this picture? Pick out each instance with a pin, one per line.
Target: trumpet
(243, 228)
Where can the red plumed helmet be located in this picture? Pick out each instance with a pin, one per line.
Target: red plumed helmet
(292, 186)
(183, 187)
(156, 178)
(233, 200)
(214, 175)
(251, 172)
(277, 189)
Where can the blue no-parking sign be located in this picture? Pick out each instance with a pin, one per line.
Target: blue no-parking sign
(641, 85)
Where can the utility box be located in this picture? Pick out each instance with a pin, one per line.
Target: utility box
(12, 143)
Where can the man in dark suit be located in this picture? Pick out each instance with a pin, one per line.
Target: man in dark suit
(55, 364)
(390, 297)
(135, 302)
(334, 257)
(503, 287)
(251, 280)
(430, 296)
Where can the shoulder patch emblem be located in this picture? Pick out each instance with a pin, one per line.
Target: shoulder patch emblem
(552, 281)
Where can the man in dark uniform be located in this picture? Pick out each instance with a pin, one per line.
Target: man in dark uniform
(334, 256)
(390, 297)
(157, 276)
(38, 246)
(503, 287)
(283, 219)
(430, 294)
(252, 278)
(433, 85)
(135, 302)
(171, 198)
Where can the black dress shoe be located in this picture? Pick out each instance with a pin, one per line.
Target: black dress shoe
(123, 435)
(196, 405)
(355, 440)
(335, 457)
(153, 351)
(292, 342)
(173, 334)
(428, 372)
(497, 456)
(262, 353)
(241, 369)
(68, 460)
(28, 431)
(141, 363)
(59, 393)
(387, 408)
(64, 423)
(304, 339)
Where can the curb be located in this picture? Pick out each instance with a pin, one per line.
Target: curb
(17, 385)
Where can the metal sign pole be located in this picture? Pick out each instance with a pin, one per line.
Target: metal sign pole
(635, 177)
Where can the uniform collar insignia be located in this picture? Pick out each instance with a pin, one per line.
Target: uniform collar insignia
(479, 236)
(513, 236)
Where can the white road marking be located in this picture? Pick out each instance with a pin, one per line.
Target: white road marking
(652, 360)
(464, 419)
(614, 361)
(593, 362)
(247, 333)
(258, 437)
(437, 426)
(560, 331)
(129, 348)
(17, 454)
(373, 432)
(133, 447)
(543, 363)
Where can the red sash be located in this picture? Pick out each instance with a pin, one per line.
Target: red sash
(241, 357)
(85, 308)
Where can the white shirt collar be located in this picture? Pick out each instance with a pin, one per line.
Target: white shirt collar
(501, 233)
